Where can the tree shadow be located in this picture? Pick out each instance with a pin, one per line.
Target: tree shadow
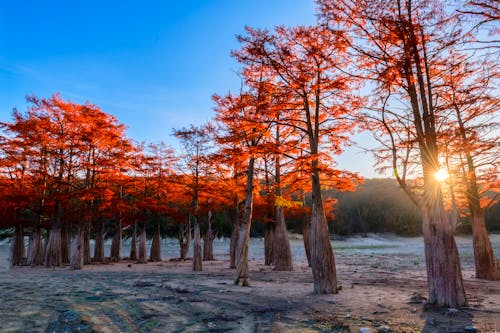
(442, 319)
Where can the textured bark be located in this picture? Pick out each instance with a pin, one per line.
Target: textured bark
(208, 240)
(269, 243)
(444, 275)
(99, 241)
(35, 251)
(116, 243)
(306, 235)
(322, 259)
(142, 246)
(86, 244)
(18, 251)
(53, 256)
(484, 259)
(65, 243)
(76, 260)
(242, 273)
(155, 251)
(197, 260)
(233, 247)
(133, 243)
(184, 239)
(282, 252)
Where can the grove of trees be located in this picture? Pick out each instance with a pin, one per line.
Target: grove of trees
(417, 74)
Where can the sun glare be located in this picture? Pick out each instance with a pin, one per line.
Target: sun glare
(441, 175)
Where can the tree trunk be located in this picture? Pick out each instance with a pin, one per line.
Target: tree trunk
(444, 275)
(18, 251)
(35, 252)
(483, 253)
(322, 259)
(269, 243)
(76, 261)
(184, 239)
(234, 237)
(155, 251)
(306, 235)
(142, 246)
(53, 256)
(65, 243)
(133, 243)
(208, 240)
(99, 241)
(282, 252)
(242, 273)
(86, 244)
(116, 243)
(197, 262)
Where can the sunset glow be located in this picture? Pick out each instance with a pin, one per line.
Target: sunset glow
(441, 175)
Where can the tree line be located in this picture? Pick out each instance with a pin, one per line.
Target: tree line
(415, 73)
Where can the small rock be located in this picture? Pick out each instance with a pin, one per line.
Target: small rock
(381, 305)
(129, 265)
(383, 329)
(366, 330)
(451, 312)
(347, 315)
(470, 329)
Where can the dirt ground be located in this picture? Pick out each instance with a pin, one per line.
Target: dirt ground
(383, 289)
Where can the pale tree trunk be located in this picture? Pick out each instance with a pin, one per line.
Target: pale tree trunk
(133, 243)
(65, 243)
(306, 235)
(234, 236)
(116, 243)
(444, 275)
(35, 251)
(99, 241)
(484, 259)
(269, 243)
(18, 251)
(184, 239)
(86, 244)
(53, 247)
(242, 272)
(76, 260)
(155, 251)
(142, 246)
(282, 252)
(208, 240)
(197, 262)
(322, 259)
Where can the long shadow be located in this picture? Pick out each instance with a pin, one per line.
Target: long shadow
(439, 320)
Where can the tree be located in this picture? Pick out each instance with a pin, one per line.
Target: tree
(306, 61)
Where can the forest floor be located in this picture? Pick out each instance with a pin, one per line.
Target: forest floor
(383, 288)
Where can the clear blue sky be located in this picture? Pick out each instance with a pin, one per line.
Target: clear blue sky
(153, 64)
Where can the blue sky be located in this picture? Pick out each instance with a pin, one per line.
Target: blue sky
(153, 64)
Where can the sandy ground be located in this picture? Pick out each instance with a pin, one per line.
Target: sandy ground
(382, 277)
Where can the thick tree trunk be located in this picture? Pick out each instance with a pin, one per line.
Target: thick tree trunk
(116, 243)
(306, 235)
(35, 251)
(483, 252)
(242, 272)
(133, 243)
(155, 251)
(322, 259)
(282, 253)
(208, 240)
(53, 256)
(65, 243)
(233, 247)
(77, 249)
(197, 261)
(86, 244)
(18, 251)
(99, 241)
(269, 243)
(184, 240)
(444, 275)
(142, 246)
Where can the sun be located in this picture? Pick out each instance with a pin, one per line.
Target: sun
(441, 175)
